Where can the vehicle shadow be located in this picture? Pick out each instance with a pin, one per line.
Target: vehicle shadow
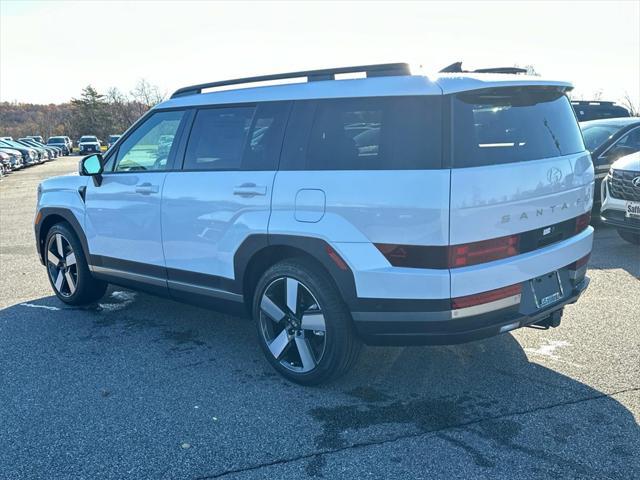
(614, 252)
(146, 355)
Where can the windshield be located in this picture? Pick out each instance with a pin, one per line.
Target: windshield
(56, 140)
(513, 124)
(113, 138)
(596, 135)
(88, 139)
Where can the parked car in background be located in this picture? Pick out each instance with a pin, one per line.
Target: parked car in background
(6, 138)
(15, 157)
(88, 144)
(52, 152)
(60, 142)
(37, 138)
(30, 155)
(112, 139)
(620, 193)
(609, 140)
(263, 197)
(593, 110)
(43, 153)
(5, 164)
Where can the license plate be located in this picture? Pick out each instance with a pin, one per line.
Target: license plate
(632, 210)
(547, 289)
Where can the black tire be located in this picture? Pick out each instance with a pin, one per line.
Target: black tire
(71, 282)
(629, 236)
(340, 344)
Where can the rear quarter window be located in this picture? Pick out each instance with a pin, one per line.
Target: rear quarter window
(506, 125)
(382, 133)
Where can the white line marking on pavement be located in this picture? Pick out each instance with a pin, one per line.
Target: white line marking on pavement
(31, 305)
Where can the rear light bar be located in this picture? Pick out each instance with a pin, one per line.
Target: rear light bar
(583, 221)
(467, 254)
(484, 251)
(484, 302)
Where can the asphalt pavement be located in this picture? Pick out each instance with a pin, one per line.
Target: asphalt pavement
(142, 387)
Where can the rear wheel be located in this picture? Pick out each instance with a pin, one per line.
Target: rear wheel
(629, 236)
(304, 327)
(67, 268)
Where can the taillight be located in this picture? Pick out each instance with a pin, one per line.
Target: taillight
(583, 221)
(581, 262)
(506, 297)
(484, 251)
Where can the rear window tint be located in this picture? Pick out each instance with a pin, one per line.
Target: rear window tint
(388, 133)
(507, 125)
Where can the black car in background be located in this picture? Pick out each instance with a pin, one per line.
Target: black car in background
(592, 110)
(608, 140)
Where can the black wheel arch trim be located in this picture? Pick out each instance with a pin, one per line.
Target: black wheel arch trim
(68, 216)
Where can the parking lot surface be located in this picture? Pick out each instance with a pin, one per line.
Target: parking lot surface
(143, 387)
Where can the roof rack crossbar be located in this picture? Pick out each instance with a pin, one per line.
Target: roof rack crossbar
(380, 70)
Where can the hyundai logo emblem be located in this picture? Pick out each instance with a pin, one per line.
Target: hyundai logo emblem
(636, 182)
(554, 175)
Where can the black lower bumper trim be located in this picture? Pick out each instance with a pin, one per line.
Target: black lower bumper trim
(401, 328)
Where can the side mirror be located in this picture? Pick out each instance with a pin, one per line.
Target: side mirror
(92, 166)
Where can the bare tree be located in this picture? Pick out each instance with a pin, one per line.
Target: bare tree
(628, 103)
(146, 95)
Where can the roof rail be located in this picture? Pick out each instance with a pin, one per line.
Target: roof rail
(591, 102)
(457, 68)
(380, 70)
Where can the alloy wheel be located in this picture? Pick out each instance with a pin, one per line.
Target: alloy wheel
(292, 324)
(62, 266)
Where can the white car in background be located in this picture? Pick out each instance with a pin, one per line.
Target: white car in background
(620, 193)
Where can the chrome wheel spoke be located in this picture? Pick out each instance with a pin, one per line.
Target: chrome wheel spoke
(59, 245)
(59, 281)
(71, 259)
(70, 283)
(306, 355)
(52, 258)
(279, 343)
(292, 294)
(313, 321)
(271, 309)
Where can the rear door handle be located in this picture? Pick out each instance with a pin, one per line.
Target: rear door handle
(146, 188)
(249, 190)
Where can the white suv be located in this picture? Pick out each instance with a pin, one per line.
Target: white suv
(391, 209)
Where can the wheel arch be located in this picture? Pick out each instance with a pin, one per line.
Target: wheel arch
(260, 252)
(51, 217)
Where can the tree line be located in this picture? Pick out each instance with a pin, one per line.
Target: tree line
(92, 113)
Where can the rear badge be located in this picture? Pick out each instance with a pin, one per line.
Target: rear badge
(547, 231)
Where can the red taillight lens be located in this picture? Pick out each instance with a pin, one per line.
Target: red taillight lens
(337, 259)
(581, 262)
(486, 297)
(484, 251)
(583, 221)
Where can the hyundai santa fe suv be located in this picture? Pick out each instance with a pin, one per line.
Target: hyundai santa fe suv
(393, 209)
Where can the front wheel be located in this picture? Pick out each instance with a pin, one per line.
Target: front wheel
(304, 327)
(629, 236)
(68, 270)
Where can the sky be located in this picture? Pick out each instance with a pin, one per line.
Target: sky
(50, 50)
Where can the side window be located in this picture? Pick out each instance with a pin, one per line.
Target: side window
(236, 138)
(626, 145)
(383, 133)
(149, 146)
(217, 138)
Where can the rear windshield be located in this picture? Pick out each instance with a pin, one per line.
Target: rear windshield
(56, 140)
(506, 125)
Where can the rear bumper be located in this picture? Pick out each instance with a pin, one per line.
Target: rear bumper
(439, 328)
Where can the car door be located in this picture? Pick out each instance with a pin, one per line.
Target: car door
(222, 195)
(122, 214)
